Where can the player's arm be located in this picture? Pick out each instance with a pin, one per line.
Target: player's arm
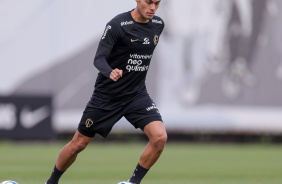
(102, 65)
(100, 60)
(111, 35)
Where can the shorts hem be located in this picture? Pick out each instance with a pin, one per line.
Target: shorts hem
(84, 133)
(144, 122)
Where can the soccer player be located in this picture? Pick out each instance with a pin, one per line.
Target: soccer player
(123, 57)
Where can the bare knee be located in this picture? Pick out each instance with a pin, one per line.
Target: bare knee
(78, 143)
(76, 147)
(159, 141)
(157, 135)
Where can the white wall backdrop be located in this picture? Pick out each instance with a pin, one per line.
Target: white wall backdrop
(217, 66)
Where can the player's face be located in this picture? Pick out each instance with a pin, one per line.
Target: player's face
(147, 8)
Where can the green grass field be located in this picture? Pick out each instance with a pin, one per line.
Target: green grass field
(109, 163)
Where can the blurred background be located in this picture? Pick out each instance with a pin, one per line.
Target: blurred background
(217, 68)
(216, 77)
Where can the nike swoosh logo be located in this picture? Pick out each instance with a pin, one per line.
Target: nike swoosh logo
(31, 118)
(134, 40)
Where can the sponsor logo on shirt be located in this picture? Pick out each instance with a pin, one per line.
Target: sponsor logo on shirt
(146, 41)
(106, 30)
(125, 23)
(135, 63)
(138, 56)
(157, 21)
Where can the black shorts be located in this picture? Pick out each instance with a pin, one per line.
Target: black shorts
(100, 115)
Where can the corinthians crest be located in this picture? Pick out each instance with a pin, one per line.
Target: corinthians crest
(156, 39)
(88, 123)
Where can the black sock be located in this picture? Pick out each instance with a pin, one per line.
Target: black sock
(55, 176)
(138, 174)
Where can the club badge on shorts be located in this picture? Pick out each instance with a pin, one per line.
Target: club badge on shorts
(88, 123)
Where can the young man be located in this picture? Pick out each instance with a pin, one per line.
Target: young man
(123, 57)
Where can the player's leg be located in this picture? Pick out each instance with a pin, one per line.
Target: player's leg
(157, 139)
(143, 113)
(68, 155)
(69, 152)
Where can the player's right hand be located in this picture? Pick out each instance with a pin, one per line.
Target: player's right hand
(116, 74)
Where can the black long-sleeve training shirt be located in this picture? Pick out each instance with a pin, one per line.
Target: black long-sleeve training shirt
(127, 45)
